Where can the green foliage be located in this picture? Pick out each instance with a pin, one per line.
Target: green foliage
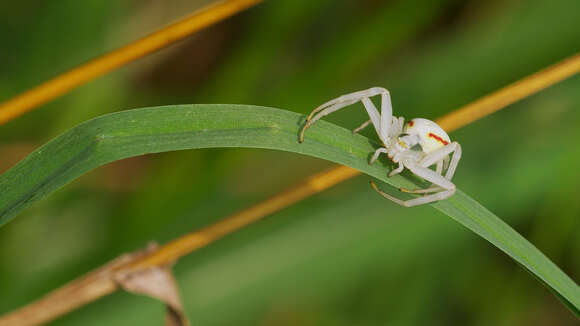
(154, 130)
(346, 256)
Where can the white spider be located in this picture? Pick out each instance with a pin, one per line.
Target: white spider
(417, 145)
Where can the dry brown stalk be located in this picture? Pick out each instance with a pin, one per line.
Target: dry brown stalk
(511, 93)
(72, 295)
(101, 282)
(67, 81)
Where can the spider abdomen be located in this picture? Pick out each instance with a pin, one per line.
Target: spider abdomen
(431, 136)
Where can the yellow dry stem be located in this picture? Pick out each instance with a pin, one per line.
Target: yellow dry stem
(71, 79)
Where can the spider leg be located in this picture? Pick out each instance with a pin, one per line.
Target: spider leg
(387, 117)
(416, 201)
(446, 161)
(348, 99)
(421, 191)
(386, 124)
(376, 154)
(447, 188)
(398, 170)
(442, 164)
(413, 202)
(439, 168)
(384, 194)
(439, 156)
(322, 111)
(426, 199)
(454, 162)
(396, 125)
(364, 125)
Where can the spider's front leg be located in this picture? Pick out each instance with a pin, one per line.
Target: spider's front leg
(381, 121)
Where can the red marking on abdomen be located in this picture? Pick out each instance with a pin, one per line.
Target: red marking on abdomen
(411, 123)
(437, 138)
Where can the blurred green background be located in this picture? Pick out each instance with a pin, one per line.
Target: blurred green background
(343, 257)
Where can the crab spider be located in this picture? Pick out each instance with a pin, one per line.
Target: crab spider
(417, 145)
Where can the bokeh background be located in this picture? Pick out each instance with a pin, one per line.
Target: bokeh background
(343, 257)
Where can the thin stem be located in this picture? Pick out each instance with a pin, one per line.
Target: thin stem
(102, 281)
(75, 77)
(91, 287)
(198, 239)
(510, 94)
(63, 300)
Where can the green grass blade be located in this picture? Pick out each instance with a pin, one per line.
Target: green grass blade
(152, 130)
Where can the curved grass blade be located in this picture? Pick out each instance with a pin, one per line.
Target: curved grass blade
(152, 130)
